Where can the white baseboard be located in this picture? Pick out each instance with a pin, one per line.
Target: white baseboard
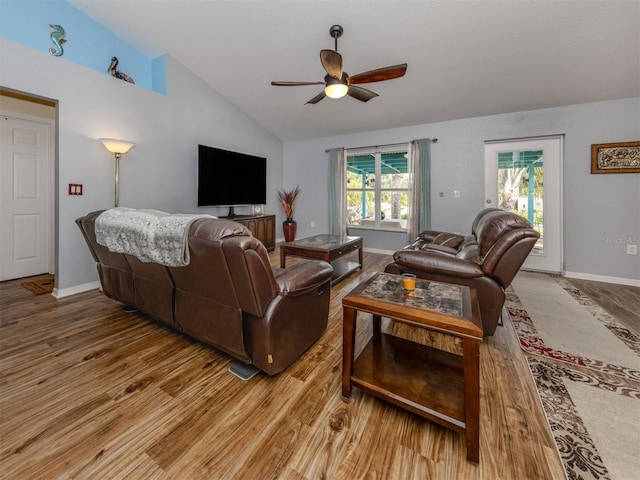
(602, 278)
(379, 250)
(65, 292)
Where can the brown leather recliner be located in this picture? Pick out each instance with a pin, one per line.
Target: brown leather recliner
(504, 240)
(446, 241)
(228, 296)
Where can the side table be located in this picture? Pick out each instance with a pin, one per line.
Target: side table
(437, 385)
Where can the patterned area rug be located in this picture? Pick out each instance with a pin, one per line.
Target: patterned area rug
(594, 420)
(586, 369)
(554, 319)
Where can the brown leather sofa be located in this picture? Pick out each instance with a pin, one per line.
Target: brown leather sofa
(228, 296)
(503, 242)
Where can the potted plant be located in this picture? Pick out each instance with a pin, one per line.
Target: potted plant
(287, 200)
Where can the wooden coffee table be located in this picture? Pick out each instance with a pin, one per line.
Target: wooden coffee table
(437, 385)
(330, 248)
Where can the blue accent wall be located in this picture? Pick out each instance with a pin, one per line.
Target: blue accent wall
(88, 43)
(159, 74)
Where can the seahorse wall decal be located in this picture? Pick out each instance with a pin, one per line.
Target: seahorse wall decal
(57, 37)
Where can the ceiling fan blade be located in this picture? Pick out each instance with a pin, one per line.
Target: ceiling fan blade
(379, 74)
(317, 98)
(360, 93)
(332, 62)
(295, 84)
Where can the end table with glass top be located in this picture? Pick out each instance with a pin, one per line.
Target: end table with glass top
(330, 248)
(437, 385)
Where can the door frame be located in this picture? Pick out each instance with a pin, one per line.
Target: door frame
(559, 220)
(51, 194)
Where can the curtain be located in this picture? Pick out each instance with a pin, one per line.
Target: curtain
(337, 192)
(420, 188)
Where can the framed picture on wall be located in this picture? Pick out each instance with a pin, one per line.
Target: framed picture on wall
(623, 157)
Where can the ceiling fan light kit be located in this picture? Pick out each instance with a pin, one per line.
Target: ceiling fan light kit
(335, 88)
(338, 83)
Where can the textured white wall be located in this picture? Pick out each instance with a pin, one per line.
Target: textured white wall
(596, 207)
(160, 172)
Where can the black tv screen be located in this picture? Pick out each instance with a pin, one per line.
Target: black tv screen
(230, 178)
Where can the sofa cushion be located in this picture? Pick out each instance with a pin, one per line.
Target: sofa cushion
(450, 240)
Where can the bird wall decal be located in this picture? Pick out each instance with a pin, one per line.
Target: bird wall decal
(117, 73)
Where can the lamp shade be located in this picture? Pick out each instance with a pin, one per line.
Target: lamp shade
(336, 90)
(117, 146)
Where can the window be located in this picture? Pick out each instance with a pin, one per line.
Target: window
(378, 190)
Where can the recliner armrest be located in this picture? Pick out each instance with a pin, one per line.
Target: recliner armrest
(438, 263)
(302, 277)
(446, 239)
(434, 247)
(429, 235)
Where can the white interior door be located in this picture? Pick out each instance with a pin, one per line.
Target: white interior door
(25, 210)
(525, 177)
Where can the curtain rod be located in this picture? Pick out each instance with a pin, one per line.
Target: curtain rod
(431, 140)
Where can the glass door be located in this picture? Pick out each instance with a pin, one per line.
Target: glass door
(525, 177)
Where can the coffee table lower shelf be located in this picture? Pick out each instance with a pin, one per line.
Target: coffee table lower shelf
(423, 380)
(343, 268)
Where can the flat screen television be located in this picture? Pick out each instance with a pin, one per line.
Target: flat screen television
(230, 179)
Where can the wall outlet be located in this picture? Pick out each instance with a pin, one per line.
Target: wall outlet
(312, 224)
(632, 249)
(456, 194)
(75, 189)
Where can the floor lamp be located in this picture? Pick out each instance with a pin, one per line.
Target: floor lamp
(117, 147)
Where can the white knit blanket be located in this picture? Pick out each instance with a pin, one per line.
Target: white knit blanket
(149, 235)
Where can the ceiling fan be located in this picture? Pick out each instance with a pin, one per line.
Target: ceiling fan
(338, 83)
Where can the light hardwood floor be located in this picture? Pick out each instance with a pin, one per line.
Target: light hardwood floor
(89, 391)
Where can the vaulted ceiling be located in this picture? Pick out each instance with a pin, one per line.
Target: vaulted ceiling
(465, 58)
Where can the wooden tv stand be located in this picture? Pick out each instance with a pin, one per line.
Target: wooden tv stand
(263, 227)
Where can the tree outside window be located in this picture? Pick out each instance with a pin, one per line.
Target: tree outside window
(378, 190)
(521, 185)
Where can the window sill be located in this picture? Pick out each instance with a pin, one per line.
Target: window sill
(377, 229)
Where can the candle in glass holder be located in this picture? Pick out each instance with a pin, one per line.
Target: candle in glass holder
(409, 281)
